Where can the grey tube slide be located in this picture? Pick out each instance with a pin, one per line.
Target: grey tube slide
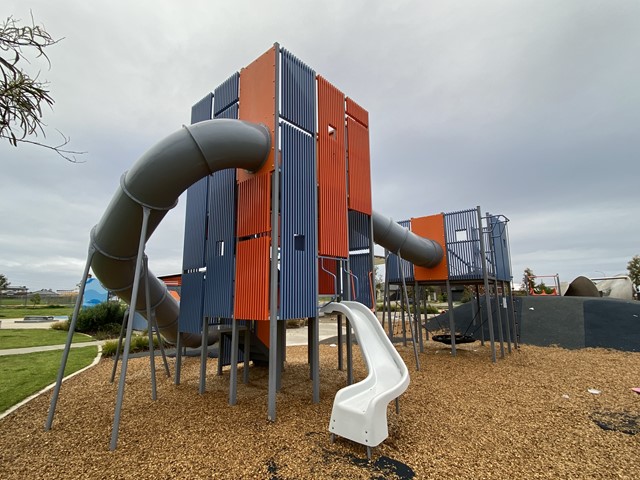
(156, 181)
(418, 250)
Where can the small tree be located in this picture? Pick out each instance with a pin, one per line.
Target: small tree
(35, 299)
(633, 267)
(23, 96)
(4, 284)
(528, 282)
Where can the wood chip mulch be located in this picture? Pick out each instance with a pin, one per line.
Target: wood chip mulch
(528, 416)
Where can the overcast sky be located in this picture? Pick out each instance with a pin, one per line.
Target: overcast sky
(528, 108)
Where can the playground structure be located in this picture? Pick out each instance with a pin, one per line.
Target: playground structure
(476, 253)
(277, 171)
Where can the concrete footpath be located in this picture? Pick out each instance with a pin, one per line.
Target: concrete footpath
(295, 336)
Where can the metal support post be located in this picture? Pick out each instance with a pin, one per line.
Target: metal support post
(152, 354)
(178, 356)
(418, 314)
(67, 346)
(123, 327)
(233, 378)
(452, 321)
(499, 314)
(487, 295)
(315, 357)
(127, 344)
(275, 234)
(413, 339)
(503, 304)
(479, 307)
(349, 353)
(160, 343)
(340, 342)
(203, 355)
(246, 356)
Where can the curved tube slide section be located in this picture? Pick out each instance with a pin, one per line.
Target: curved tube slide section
(156, 181)
(418, 250)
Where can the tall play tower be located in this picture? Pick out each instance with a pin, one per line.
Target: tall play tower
(259, 247)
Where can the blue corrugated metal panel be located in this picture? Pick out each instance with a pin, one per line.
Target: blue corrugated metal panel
(202, 110)
(362, 288)
(194, 226)
(359, 231)
(298, 265)
(225, 358)
(229, 112)
(298, 92)
(219, 288)
(395, 274)
(500, 245)
(463, 246)
(190, 319)
(226, 94)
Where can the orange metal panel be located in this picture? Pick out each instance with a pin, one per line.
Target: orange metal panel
(251, 300)
(254, 205)
(431, 227)
(327, 283)
(332, 174)
(257, 100)
(263, 332)
(357, 112)
(359, 167)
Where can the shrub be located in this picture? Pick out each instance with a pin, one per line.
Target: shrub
(139, 343)
(63, 325)
(102, 320)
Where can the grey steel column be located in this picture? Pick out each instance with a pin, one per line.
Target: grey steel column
(340, 341)
(499, 314)
(402, 316)
(452, 321)
(418, 314)
(413, 339)
(127, 344)
(178, 355)
(512, 312)
(119, 345)
(247, 352)
(480, 315)
(386, 305)
(486, 286)
(275, 229)
(203, 355)
(152, 354)
(233, 378)
(503, 299)
(160, 343)
(67, 346)
(349, 353)
(315, 357)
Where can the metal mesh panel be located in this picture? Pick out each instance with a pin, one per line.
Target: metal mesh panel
(298, 274)
(218, 300)
(202, 110)
(359, 231)
(298, 92)
(463, 246)
(362, 286)
(190, 318)
(500, 245)
(226, 94)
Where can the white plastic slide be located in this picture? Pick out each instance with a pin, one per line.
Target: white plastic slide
(360, 410)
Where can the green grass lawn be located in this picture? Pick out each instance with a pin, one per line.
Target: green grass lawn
(37, 337)
(24, 375)
(20, 311)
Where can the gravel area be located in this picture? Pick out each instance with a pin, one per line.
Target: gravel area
(528, 416)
